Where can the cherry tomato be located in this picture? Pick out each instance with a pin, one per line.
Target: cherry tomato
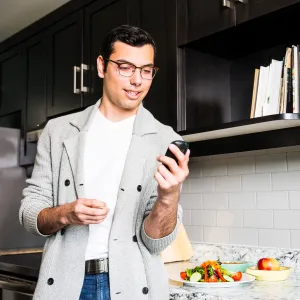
(237, 276)
(183, 275)
(213, 279)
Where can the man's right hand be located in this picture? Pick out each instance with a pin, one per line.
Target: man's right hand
(79, 212)
(84, 212)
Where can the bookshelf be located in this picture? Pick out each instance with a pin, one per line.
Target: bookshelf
(255, 125)
(267, 132)
(217, 83)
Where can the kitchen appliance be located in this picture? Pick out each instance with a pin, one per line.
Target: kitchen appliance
(13, 237)
(12, 183)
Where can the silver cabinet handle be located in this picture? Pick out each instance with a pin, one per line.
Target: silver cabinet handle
(230, 3)
(84, 89)
(75, 89)
(227, 3)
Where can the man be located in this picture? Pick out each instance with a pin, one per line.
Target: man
(100, 190)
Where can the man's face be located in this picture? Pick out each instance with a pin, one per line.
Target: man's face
(126, 92)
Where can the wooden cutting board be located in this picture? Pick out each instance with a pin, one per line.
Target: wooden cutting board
(181, 248)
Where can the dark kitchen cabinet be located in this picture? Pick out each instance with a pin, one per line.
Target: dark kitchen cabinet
(257, 8)
(36, 83)
(64, 47)
(218, 76)
(12, 80)
(101, 17)
(202, 18)
(159, 19)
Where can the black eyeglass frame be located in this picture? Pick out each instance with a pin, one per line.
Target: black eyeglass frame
(129, 63)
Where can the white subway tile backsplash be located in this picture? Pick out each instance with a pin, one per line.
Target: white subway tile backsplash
(258, 218)
(216, 235)
(249, 198)
(229, 218)
(272, 200)
(215, 201)
(283, 149)
(200, 158)
(240, 165)
(215, 167)
(195, 233)
(230, 183)
(187, 217)
(202, 185)
(294, 198)
(251, 153)
(274, 238)
(293, 159)
(191, 201)
(204, 217)
(295, 239)
(225, 155)
(195, 169)
(287, 219)
(256, 182)
(286, 181)
(244, 236)
(243, 200)
(186, 187)
(271, 163)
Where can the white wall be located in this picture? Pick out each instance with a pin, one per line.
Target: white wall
(244, 198)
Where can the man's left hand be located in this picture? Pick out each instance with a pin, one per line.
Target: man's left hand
(170, 181)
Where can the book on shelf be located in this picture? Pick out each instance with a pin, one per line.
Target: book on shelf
(262, 90)
(254, 93)
(276, 87)
(295, 79)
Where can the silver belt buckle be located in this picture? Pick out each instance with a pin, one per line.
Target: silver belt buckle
(103, 265)
(96, 266)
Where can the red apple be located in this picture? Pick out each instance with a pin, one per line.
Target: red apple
(269, 264)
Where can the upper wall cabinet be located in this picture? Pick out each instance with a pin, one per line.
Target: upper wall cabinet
(35, 53)
(64, 57)
(161, 100)
(12, 80)
(257, 8)
(101, 17)
(201, 18)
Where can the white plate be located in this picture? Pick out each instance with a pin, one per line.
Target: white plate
(246, 278)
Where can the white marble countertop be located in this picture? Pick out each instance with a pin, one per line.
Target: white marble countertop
(262, 290)
(284, 290)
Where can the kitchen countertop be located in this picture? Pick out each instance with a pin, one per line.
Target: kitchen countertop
(262, 290)
(28, 265)
(284, 290)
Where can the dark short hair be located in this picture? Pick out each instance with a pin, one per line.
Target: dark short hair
(130, 35)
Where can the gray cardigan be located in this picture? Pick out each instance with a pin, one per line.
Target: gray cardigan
(134, 260)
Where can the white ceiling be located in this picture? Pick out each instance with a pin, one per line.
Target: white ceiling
(18, 14)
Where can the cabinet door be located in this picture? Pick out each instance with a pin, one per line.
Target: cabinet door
(201, 18)
(100, 18)
(64, 42)
(36, 58)
(12, 80)
(161, 100)
(256, 8)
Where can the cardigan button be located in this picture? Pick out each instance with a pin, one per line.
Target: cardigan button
(145, 290)
(134, 238)
(50, 281)
(67, 182)
(139, 188)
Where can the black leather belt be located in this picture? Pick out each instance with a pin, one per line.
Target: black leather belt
(96, 266)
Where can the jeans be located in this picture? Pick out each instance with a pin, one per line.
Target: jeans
(95, 287)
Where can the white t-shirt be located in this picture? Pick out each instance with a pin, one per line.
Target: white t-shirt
(106, 149)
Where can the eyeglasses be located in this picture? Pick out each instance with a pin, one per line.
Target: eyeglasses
(127, 69)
